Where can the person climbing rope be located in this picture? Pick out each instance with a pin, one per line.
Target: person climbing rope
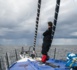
(46, 42)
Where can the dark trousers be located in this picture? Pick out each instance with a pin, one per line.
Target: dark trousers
(45, 48)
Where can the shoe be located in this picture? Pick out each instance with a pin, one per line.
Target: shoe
(44, 58)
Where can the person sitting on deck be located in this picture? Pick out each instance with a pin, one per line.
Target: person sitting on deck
(46, 42)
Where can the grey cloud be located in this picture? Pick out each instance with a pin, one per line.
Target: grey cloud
(17, 20)
(65, 28)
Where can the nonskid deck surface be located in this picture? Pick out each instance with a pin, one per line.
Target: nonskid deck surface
(32, 64)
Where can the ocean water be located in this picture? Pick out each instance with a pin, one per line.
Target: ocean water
(61, 50)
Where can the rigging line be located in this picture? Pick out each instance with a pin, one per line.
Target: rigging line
(55, 18)
(37, 22)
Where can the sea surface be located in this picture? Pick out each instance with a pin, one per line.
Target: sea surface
(61, 50)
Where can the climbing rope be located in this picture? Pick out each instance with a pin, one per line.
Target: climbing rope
(55, 18)
(37, 22)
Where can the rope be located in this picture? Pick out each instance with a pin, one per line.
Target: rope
(37, 22)
(55, 18)
(73, 61)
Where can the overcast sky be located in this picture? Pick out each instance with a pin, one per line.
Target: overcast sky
(17, 21)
